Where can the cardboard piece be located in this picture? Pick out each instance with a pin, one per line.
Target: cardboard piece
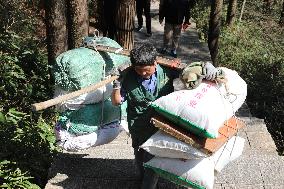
(206, 145)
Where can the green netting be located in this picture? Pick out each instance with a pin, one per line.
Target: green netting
(123, 109)
(81, 67)
(89, 118)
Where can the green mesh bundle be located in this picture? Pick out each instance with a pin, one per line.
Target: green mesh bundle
(89, 118)
(81, 67)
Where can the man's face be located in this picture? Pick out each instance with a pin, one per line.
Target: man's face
(146, 71)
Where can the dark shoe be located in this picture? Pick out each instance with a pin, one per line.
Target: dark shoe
(138, 29)
(148, 34)
(163, 51)
(173, 54)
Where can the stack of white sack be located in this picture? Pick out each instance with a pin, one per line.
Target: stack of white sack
(184, 165)
(201, 111)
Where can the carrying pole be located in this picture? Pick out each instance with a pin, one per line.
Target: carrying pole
(172, 63)
(59, 99)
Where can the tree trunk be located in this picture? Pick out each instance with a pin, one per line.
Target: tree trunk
(281, 22)
(267, 6)
(96, 20)
(55, 13)
(214, 28)
(78, 22)
(231, 12)
(242, 10)
(125, 23)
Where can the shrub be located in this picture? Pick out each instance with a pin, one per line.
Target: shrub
(27, 139)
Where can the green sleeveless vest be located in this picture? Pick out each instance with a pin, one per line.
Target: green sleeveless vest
(138, 99)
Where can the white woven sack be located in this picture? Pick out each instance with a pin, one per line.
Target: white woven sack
(96, 96)
(204, 110)
(236, 88)
(71, 142)
(108, 133)
(196, 172)
(228, 152)
(162, 144)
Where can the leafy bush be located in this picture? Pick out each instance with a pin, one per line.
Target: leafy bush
(28, 143)
(26, 138)
(12, 177)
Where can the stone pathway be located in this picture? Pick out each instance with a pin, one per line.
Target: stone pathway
(111, 166)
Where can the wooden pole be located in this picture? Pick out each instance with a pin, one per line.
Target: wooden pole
(57, 100)
(125, 23)
(172, 63)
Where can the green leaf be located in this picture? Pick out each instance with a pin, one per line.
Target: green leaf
(26, 52)
(2, 118)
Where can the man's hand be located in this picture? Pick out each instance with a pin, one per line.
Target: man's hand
(118, 71)
(210, 71)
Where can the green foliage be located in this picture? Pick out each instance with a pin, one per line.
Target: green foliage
(201, 13)
(12, 177)
(24, 71)
(29, 143)
(27, 139)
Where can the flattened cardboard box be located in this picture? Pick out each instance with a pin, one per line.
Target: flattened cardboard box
(206, 145)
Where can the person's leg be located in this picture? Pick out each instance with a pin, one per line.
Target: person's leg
(139, 12)
(147, 5)
(139, 156)
(176, 36)
(150, 178)
(167, 35)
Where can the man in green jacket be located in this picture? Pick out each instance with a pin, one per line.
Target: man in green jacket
(140, 84)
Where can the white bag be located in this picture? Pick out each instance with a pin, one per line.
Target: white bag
(108, 133)
(162, 144)
(71, 142)
(96, 96)
(203, 110)
(235, 90)
(228, 152)
(195, 173)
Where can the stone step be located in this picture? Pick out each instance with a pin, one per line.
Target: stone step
(112, 165)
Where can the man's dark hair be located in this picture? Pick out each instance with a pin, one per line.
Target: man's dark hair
(143, 55)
